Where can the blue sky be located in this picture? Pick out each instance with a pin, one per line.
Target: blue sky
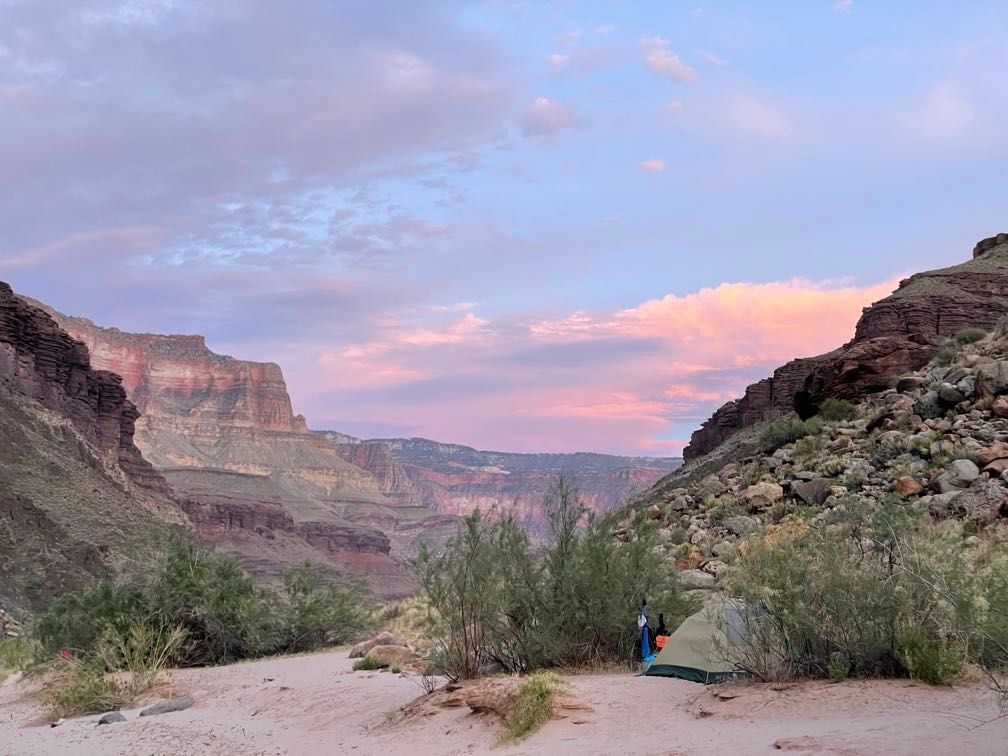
(553, 225)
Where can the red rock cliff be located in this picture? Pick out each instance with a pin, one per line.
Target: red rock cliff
(894, 335)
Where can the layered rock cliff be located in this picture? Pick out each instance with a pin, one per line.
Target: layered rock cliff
(455, 479)
(77, 499)
(899, 333)
(254, 480)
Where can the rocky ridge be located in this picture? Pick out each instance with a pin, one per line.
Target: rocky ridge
(454, 479)
(939, 437)
(77, 499)
(897, 334)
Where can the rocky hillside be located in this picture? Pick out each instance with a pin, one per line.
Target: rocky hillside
(77, 499)
(455, 479)
(245, 468)
(938, 437)
(899, 333)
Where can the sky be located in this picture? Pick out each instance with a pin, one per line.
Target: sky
(525, 226)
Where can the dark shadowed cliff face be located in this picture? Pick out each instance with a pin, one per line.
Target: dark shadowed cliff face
(895, 335)
(77, 499)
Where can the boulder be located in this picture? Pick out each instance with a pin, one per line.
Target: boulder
(167, 706)
(654, 512)
(907, 486)
(992, 379)
(962, 472)
(1000, 407)
(813, 491)
(697, 579)
(983, 503)
(762, 495)
(112, 718)
(940, 505)
(909, 383)
(388, 639)
(391, 656)
(949, 394)
(997, 450)
(741, 525)
(997, 468)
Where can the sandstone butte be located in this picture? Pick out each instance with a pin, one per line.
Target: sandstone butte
(256, 483)
(894, 335)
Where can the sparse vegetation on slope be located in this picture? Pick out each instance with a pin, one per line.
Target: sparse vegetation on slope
(870, 540)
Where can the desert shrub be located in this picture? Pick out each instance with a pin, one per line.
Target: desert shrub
(831, 468)
(874, 590)
(316, 613)
(366, 663)
(223, 614)
(81, 687)
(751, 473)
(782, 432)
(948, 352)
(533, 706)
(75, 621)
(837, 410)
(970, 335)
(809, 448)
(16, 654)
(573, 603)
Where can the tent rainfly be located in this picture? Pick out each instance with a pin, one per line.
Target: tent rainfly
(697, 651)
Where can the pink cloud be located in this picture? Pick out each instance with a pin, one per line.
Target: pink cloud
(625, 380)
(652, 166)
(661, 60)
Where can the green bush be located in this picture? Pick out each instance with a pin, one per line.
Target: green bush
(219, 609)
(16, 654)
(571, 604)
(81, 687)
(783, 432)
(948, 352)
(875, 590)
(970, 335)
(366, 664)
(837, 410)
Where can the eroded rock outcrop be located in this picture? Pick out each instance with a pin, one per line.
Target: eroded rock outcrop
(78, 501)
(897, 334)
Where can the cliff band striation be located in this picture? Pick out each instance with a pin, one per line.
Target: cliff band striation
(246, 469)
(456, 479)
(77, 499)
(897, 334)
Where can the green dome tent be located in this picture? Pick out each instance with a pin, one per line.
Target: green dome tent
(697, 651)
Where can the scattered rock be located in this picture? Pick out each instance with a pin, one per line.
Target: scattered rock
(997, 450)
(949, 394)
(940, 505)
(741, 525)
(1000, 407)
(962, 472)
(983, 503)
(907, 486)
(997, 468)
(111, 718)
(167, 706)
(992, 379)
(762, 495)
(909, 383)
(382, 639)
(654, 512)
(813, 491)
(697, 579)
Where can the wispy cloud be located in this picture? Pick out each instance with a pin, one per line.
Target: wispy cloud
(545, 116)
(661, 60)
(843, 6)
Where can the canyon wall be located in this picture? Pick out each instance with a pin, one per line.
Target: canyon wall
(894, 335)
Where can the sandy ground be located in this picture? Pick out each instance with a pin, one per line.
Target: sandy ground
(316, 705)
